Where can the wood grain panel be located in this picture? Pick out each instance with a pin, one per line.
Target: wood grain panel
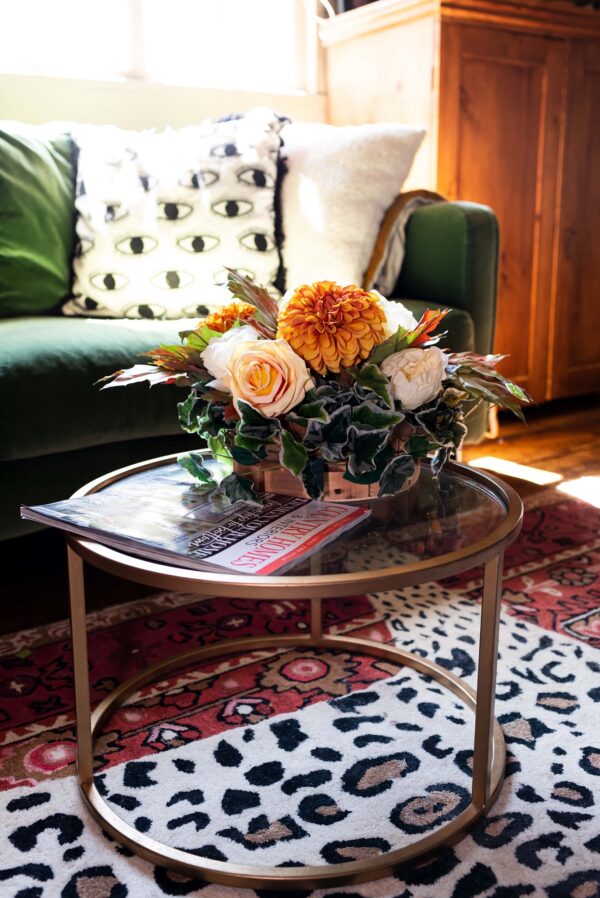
(576, 327)
(500, 113)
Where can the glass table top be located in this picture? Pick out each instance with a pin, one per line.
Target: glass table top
(434, 518)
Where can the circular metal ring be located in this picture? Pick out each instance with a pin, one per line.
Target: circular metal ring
(308, 877)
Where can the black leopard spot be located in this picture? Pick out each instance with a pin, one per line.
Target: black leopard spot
(372, 776)
(198, 818)
(322, 809)
(106, 886)
(370, 738)
(235, 801)
(184, 766)
(142, 824)
(288, 734)
(194, 796)
(136, 775)
(571, 793)
(172, 883)
(354, 850)
(227, 755)
(584, 882)
(569, 819)
(265, 774)
(528, 853)
(354, 701)
(346, 724)
(479, 879)
(72, 854)
(326, 754)
(263, 833)
(69, 829)
(528, 793)
(590, 760)
(431, 746)
(428, 709)
(430, 871)
(495, 831)
(305, 780)
(406, 695)
(28, 801)
(40, 872)
(127, 802)
(424, 812)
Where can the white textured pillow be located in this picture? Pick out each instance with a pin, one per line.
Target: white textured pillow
(161, 214)
(339, 184)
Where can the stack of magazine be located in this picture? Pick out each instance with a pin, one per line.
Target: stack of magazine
(159, 514)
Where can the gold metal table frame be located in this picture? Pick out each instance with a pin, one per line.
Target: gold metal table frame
(489, 754)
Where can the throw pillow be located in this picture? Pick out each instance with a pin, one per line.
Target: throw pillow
(339, 184)
(36, 218)
(160, 215)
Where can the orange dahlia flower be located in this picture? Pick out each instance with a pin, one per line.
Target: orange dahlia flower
(331, 327)
(224, 319)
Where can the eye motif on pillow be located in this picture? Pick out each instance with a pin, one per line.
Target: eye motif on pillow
(162, 215)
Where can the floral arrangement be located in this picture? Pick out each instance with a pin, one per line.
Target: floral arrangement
(331, 375)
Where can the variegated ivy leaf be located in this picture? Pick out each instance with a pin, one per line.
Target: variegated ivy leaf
(395, 475)
(293, 456)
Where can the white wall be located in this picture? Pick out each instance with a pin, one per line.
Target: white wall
(137, 104)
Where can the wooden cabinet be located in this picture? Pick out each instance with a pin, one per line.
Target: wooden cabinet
(510, 94)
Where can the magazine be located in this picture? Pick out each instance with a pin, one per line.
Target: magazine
(160, 514)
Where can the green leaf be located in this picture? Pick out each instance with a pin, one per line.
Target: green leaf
(372, 378)
(418, 445)
(244, 456)
(238, 489)
(309, 411)
(189, 411)
(398, 471)
(393, 344)
(199, 338)
(368, 413)
(293, 455)
(252, 444)
(381, 461)
(220, 452)
(313, 477)
(363, 446)
(193, 463)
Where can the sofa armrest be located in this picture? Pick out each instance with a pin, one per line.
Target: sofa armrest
(452, 258)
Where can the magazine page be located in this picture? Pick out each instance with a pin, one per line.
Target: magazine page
(162, 515)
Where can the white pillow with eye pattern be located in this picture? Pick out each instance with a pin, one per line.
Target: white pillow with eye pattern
(160, 215)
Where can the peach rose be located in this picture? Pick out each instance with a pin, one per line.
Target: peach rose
(268, 375)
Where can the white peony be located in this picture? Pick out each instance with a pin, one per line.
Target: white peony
(415, 375)
(218, 353)
(396, 315)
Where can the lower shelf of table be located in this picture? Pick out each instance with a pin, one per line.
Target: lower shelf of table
(322, 876)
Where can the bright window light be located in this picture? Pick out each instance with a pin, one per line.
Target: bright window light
(585, 488)
(258, 45)
(508, 468)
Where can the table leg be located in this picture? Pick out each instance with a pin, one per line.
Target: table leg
(316, 619)
(486, 679)
(80, 668)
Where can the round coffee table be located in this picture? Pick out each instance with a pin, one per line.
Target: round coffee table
(436, 529)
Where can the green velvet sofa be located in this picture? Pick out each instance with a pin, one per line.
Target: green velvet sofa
(57, 430)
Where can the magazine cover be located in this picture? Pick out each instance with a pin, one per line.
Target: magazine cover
(161, 515)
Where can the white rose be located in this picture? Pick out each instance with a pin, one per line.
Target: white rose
(396, 315)
(268, 375)
(217, 354)
(415, 375)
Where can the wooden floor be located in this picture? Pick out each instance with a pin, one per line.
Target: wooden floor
(562, 438)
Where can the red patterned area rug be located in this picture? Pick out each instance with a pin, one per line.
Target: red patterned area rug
(541, 839)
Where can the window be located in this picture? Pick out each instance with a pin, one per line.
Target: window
(258, 45)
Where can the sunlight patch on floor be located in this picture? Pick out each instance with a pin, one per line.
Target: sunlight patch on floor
(585, 488)
(508, 468)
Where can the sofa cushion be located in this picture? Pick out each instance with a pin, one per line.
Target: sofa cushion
(339, 184)
(458, 324)
(160, 215)
(36, 218)
(48, 366)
